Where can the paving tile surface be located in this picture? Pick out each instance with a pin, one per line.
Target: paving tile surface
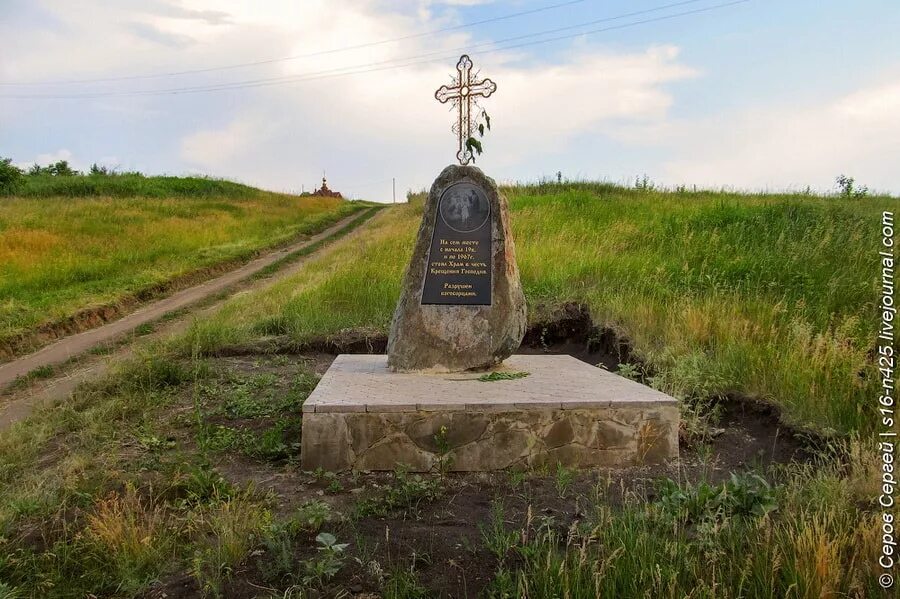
(363, 383)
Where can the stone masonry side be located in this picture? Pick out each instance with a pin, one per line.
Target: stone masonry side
(477, 441)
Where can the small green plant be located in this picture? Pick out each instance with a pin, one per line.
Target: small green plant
(696, 381)
(334, 486)
(328, 561)
(312, 515)
(252, 396)
(218, 438)
(564, 479)
(10, 176)
(742, 495)
(542, 470)
(230, 529)
(502, 376)
(270, 445)
(198, 485)
(497, 538)
(41, 372)
(154, 443)
(403, 583)
(277, 563)
(443, 450)
(629, 371)
(404, 495)
(161, 371)
(97, 170)
(643, 183)
(847, 187)
(699, 420)
(749, 494)
(104, 349)
(503, 585)
(517, 478)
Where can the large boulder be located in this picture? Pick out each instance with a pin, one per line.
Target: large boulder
(461, 306)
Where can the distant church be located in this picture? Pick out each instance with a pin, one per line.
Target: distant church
(325, 192)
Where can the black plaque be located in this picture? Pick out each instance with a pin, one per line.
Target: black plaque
(459, 260)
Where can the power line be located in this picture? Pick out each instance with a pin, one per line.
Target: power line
(337, 70)
(297, 56)
(471, 49)
(361, 69)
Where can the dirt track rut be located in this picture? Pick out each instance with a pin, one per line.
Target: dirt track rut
(19, 403)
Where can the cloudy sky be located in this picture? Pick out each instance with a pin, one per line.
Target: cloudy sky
(761, 94)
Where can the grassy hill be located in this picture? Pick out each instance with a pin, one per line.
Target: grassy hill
(128, 185)
(180, 470)
(768, 296)
(76, 243)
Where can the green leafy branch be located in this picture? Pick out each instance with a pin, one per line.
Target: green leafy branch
(473, 144)
(502, 376)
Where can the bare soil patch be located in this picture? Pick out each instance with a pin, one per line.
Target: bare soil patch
(442, 538)
(96, 316)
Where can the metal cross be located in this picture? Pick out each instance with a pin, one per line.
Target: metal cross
(463, 93)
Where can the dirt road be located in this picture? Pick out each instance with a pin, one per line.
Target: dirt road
(19, 403)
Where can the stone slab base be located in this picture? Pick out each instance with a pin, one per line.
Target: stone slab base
(361, 416)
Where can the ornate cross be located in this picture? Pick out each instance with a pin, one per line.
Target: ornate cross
(466, 87)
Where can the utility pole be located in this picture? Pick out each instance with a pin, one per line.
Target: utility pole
(394, 188)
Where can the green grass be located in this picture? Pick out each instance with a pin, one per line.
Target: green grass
(805, 540)
(768, 296)
(60, 254)
(405, 496)
(129, 186)
(114, 504)
(136, 506)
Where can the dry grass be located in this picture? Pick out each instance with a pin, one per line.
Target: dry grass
(60, 255)
(768, 296)
(763, 295)
(135, 536)
(230, 527)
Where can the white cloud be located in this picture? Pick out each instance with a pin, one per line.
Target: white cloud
(217, 148)
(582, 107)
(878, 105)
(581, 96)
(785, 146)
(466, 2)
(387, 121)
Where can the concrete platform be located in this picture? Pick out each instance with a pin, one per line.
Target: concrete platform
(364, 417)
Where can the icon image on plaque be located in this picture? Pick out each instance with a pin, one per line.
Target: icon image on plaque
(459, 258)
(465, 208)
